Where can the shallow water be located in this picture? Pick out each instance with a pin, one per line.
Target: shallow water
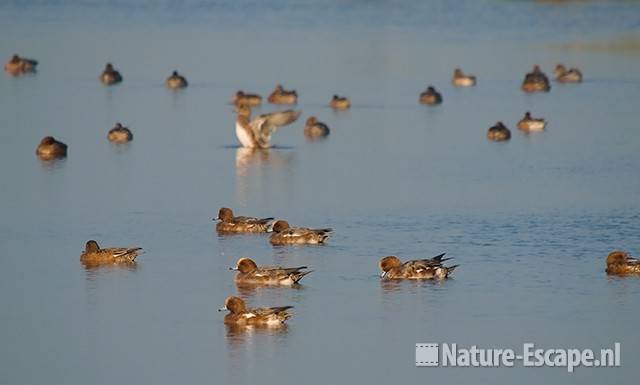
(529, 221)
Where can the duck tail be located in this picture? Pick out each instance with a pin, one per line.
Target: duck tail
(296, 277)
(450, 269)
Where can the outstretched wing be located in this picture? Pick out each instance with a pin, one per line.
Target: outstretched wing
(264, 125)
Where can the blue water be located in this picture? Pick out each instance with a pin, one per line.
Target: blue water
(529, 221)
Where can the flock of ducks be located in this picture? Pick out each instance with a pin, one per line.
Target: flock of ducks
(256, 133)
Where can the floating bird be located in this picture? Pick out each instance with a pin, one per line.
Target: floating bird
(499, 132)
(431, 268)
(459, 79)
(314, 128)
(110, 76)
(283, 234)
(176, 81)
(340, 103)
(230, 224)
(49, 148)
(261, 316)
(620, 263)
(249, 272)
(430, 96)
(247, 99)
(529, 124)
(19, 65)
(282, 96)
(119, 134)
(536, 81)
(573, 75)
(256, 133)
(94, 255)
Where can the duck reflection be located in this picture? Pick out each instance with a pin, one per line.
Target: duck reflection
(238, 336)
(257, 168)
(251, 289)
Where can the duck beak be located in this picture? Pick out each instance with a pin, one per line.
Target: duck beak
(234, 268)
(224, 308)
(216, 219)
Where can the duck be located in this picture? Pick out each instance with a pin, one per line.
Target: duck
(19, 65)
(499, 132)
(239, 315)
(430, 96)
(110, 76)
(93, 254)
(119, 134)
(283, 234)
(256, 133)
(620, 263)
(529, 124)
(432, 268)
(313, 128)
(573, 75)
(459, 79)
(176, 81)
(49, 148)
(249, 272)
(231, 224)
(339, 103)
(248, 99)
(282, 96)
(536, 81)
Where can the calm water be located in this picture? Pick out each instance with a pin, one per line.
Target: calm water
(529, 221)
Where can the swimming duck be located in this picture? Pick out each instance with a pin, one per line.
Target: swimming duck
(49, 148)
(573, 75)
(261, 316)
(120, 134)
(93, 254)
(529, 124)
(536, 81)
(619, 262)
(461, 80)
(230, 224)
(431, 268)
(110, 76)
(340, 103)
(249, 272)
(283, 234)
(314, 128)
(256, 133)
(430, 96)
(282, 96)
(499, 132)
(248, 99)
(19, 65)
(176, 81)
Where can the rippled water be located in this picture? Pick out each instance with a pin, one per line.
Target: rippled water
(529, 221)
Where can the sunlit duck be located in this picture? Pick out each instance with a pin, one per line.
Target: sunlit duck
(256, 133)
(110, 76)
(432, 268)
(283, 234)
(93, 254)
(619, 262)
(119, 134)
(314, 128)
(262, 316)
(339, 102)
(499, 132)
(49, 148)
(282, 96)
(19, 65)
(573, 75)
(430, 96)
(230, 224)
(536, 81)
(248, 99)
(249, 272)
(176, 81)
(461, 80)
(529, 124)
